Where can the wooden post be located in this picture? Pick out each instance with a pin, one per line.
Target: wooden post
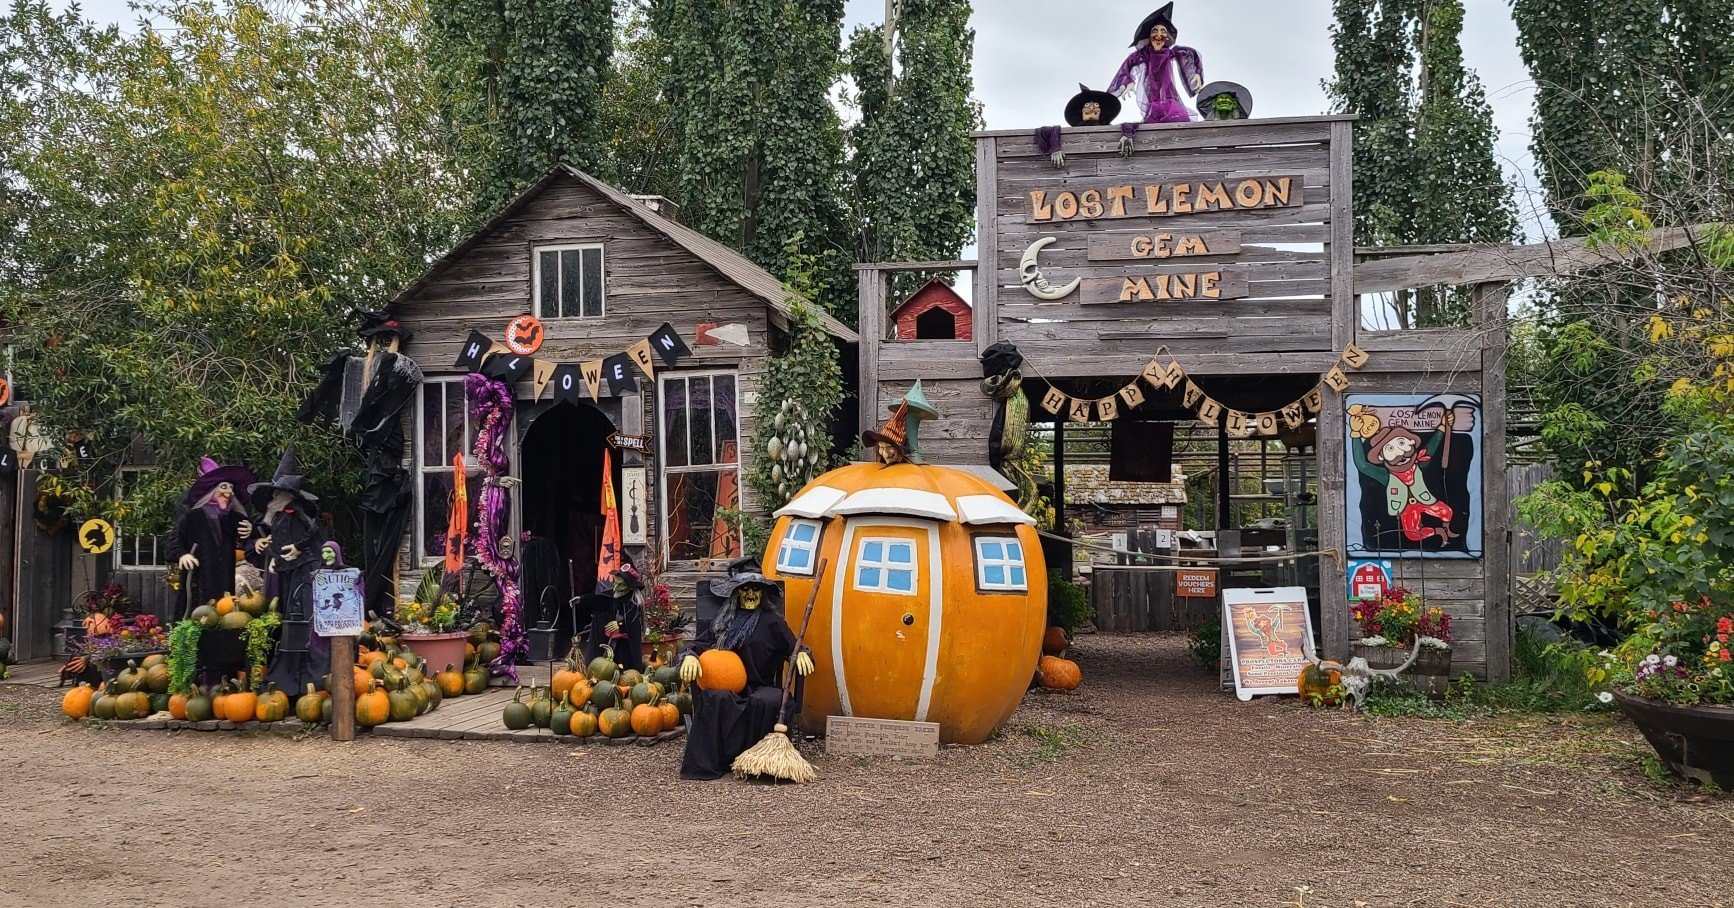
(342, 688)
(1224, 489)
(871, 299)
(1060, 481)
(1490, 301)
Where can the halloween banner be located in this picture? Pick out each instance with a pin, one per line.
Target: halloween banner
(1162, 376)
(513, 361)
(1414, 462)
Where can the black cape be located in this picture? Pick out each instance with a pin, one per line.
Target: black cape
(725, 724)
(302, 658)
(215, 541)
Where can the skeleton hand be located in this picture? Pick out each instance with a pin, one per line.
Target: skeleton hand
(187, 563)
(291, 552)
(1125, 146)
(263, 544)
(1059, 159)
(244, 529)
(689, 669)
(803, 663)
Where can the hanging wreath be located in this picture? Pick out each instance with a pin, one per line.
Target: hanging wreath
(490, 404)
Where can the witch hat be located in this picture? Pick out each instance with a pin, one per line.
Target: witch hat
(895, 432)
(1163, 16)
(287, 480)
(213, 474)
(1091, 108)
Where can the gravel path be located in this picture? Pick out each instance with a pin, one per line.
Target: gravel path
(1147, 787)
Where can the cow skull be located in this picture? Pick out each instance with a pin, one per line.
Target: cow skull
(1357, 675)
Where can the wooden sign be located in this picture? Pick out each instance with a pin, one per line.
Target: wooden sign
(1170, 286)
(1156, 245)
(639, 443)
(96, 536)
(1195, 583)
(634, 515)
(1164, 199)
(849, 736)
(1266, 630)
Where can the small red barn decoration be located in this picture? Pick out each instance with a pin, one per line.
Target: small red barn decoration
(935, 312)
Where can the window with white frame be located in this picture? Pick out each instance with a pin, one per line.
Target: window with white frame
(568, 281)
(885, 566)
(442, 431)
(799, 548)
(999, 564)
(134, 551)
(701, 472)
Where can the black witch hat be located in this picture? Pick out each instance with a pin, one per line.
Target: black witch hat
(1078, 112)
(1162, 16)
(381, 324)
(747, 571)
(287, 480)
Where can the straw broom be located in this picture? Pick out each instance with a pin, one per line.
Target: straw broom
(775, 758)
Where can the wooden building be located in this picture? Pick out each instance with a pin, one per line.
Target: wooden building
(935, 312)
(601, 271)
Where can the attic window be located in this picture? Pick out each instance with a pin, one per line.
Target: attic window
(568, 281)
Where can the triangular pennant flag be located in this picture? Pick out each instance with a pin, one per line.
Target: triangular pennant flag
(639, 353)
(1132, 396)
(1234, 422)
(1265, 423)
(470, 354)
(1209, 411)
(542, 372)
(618, 370)
(1314, 401)
(566, 379)
(592, 372)
(1054, 401)
(1190, 397)
(1337, 379)
(1354, 357)
(1294, 415)
(668, 345)
(506, 366)
(1108, 409)
(608, 552)
(1078, 411)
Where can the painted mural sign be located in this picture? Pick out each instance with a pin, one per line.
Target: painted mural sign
(1414, 462)
(1267, 633)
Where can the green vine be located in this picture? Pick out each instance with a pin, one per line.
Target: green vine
(184, 655)
(258, 635)
(803, 388)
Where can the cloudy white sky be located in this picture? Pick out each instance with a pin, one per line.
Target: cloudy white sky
(1031, 54)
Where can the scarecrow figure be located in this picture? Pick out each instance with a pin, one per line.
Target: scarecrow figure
(751, 624)
(1393, 456)
(1149, 68)
(291, 547)
(202, 546)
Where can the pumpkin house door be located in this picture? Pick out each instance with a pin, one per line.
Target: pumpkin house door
(885, 618)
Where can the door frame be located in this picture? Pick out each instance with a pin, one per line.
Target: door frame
(935, 606)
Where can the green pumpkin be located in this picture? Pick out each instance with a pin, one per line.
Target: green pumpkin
(403, 706)
(602, 668)
(234, 620)
(682, 701)
(325, 710)
(132, 705)
(516, 715)
(631, 678)
(206, 616)
(434, 696)
(103, 706)
(159, 702)
(309, 707)
(560, 721)
(584, 722)
(395, 679)
(199, 708)
(604, 696)
(127, 680)
(668, 676)
(645, 692)
(488, 652)
(475, 679)
(156, 678)
(541, 707)
(478, 634)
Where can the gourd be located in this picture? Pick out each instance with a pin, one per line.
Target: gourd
(154, 659)
(645, 692)
(127, 679)
(722, 669)
(363, 679)
(234, 621)
(103, 706)
(369, 657)
(450, 681)
(159, 703)
(582, 690)
(487, 652)
(221, 697)
(584, 722)
(541, 707)
(670, 715)
(602, 668)
(668, 676)
(310, 706)
(401, 706)
(1059, 674)
(646, 720)
(76, 703)
(567, 676)
(272, 706)
(205, 615)
(419, 697)
(199, 707)
(615, 723)
(373, 707)
(1319, 683)
(1054, 642)
(475, 679)
(240, 706)
(516, 715)
(432, 692)
(560, 721)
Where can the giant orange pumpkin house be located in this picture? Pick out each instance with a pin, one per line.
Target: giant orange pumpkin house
(934, 598)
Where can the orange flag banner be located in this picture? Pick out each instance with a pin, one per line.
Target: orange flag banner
(608, 560)
(458, 525)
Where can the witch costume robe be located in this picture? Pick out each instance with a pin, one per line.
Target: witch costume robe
(725, 724)
(1151, 72)
(208, 533)
(302, 658)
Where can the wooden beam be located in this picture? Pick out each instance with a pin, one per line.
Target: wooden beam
(1489, 305)
(871, 300)
(956, 265)
(1497, 264)
(1345, 306)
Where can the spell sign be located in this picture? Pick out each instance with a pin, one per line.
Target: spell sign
(638, 443)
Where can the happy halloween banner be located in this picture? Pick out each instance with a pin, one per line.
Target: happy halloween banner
(514, 360)
(1165, 376)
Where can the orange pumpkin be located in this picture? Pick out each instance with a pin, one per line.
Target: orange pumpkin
(581, 689)
(614, 723)
(720, 669)
(1054, 642)
(178, 706)
(241, 707)
(646, 720)
(1318, 683)
(222, 697)
(670, 715)
(225, 605)
(952, 636)
(373, 706)
(368, 657)
(564, 679)
(363, 679)
(451, 681)
(1059, 674)
(76, 703)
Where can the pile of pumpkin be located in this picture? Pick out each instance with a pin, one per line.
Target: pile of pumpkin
(137, 691)
(600, 699)
(1052, 671)
(232, 612)
(142, 690)
(392, 685)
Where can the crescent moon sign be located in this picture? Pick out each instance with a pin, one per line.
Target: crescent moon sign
(1034, 281)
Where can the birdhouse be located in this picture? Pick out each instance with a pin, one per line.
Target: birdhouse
(935, 312)
(933, 600)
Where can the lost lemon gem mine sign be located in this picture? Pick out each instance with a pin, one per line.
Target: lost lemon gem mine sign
(1163, 199)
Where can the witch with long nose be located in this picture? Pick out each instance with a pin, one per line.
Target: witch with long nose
(206, 536)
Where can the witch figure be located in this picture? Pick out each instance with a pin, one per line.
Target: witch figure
(751, 624)
(291, 548)
(1150, 69)
(618, 620)
(206, 536)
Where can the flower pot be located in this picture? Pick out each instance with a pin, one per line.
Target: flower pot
(1430, 673)
(662, 648)
(1697, 742)
(222, 649)
(438, 650)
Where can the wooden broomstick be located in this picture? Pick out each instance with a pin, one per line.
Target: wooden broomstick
(775, 757)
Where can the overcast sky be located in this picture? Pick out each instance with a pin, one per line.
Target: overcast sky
(1030, 56)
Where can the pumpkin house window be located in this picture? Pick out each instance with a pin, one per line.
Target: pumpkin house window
(999, 564)
(568, 281)
(442, 431)
(701, 473)
(886, 566)
(134, 551)
(795, 555)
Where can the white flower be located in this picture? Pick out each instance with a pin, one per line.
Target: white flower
(1652, 659)
(1671, 661)
(1605, 697)
(1434, 643)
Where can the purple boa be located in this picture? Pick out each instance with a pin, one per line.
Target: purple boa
(490, 405)
(1156, 90)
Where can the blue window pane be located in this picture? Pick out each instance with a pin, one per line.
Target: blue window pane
(799, 558)
(990, 548)
(803, 532)
(873, 551)
(901, 581)
(868, 578)
(900, 553)
(1014, 551)
(1017, 575)
(993, 575)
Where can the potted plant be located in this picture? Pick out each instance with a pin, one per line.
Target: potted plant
(664, 624)
(110, 642)
(1390, 627)
(428, 619)
(1681, 693)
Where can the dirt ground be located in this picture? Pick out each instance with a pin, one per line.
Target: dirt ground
(1147, 787)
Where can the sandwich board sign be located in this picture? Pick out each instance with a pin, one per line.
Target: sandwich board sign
(1267, 630)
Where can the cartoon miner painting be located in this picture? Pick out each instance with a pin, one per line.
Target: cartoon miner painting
(1418, 460)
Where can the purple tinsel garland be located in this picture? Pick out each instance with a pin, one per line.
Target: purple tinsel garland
(490, 405)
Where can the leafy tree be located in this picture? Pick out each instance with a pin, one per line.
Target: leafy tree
(522, 82)
(914, 162)
(637, 120)
(194, 209)
(1425, 171)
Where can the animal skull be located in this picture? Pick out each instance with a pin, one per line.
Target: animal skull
(1357, 675)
